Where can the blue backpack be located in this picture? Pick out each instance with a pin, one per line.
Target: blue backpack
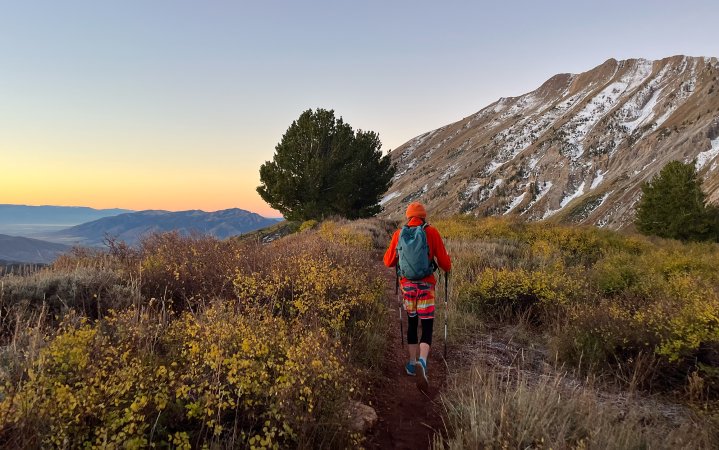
(413, 251)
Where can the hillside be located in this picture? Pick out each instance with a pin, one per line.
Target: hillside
(577, 149)
(556, 336)
(25, 250)
(131, 227)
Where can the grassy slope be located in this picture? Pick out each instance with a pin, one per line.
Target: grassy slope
(525, 298)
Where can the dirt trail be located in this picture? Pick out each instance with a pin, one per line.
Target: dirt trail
(408, 418)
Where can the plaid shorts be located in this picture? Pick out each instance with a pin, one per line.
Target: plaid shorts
(418, 299)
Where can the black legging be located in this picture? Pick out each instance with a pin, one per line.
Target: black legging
(426, 330)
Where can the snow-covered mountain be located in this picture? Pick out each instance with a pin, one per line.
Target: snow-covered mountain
(576, 150)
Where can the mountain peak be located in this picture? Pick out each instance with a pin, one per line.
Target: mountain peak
(575, 149)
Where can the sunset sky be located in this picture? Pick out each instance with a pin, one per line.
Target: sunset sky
(175, 104)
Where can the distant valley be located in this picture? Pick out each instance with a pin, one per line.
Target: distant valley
(36, 221)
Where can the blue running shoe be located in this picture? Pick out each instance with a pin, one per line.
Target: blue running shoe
(409, 368)
(422, 380)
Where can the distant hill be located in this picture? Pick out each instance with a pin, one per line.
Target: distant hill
(30, 221)
(25, 250)
(130, 227)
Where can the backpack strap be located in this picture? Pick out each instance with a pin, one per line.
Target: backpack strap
(432, 262)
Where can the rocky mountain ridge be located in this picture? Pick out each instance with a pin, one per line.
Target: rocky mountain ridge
(576, 150)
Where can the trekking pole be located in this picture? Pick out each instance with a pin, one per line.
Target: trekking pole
(399, 307)
(446, 312)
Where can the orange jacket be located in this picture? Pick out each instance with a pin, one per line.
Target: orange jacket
(437, 251)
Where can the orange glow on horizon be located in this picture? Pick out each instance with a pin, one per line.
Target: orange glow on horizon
(259, 208)
(60, 183)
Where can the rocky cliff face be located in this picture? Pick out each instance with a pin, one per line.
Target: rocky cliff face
(575, 150)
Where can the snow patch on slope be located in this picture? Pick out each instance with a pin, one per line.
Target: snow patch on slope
(542, 191)
(516, 138)
(640, 108)
(685, 90)
(409, 150)
(498, 182)
(492, 167)
(584, 121)
(389, 197)
(451, 171)
(515, 202)
(598, 178)
(565, 201)
(472, 187)
(645, 113)
(705, 157)
(604, 198)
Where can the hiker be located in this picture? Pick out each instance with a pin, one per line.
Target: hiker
(417, 250)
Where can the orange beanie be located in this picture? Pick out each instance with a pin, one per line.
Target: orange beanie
(416, 209)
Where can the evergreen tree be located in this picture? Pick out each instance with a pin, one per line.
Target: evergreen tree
(673, 205)
(322, 167)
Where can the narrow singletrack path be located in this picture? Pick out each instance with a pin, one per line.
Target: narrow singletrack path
(407, 417)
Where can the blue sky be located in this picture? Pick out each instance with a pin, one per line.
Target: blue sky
(176, 104)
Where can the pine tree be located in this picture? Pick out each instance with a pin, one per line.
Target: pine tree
(322, 167)
(674, 206)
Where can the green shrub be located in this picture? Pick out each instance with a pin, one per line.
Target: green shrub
(617, 273)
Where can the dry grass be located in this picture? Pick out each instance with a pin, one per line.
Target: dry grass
(513, 409)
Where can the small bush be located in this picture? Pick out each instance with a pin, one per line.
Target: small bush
(188, 269)
(321, 282)
(90, 291)
(617, 273)
(307, 225)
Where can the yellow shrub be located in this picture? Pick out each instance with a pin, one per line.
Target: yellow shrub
(498, 293)
(308, 225)
(272, 380)
(687, 318)
(220, 375)
(268, 368)
(343, 235)
(85, 389)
